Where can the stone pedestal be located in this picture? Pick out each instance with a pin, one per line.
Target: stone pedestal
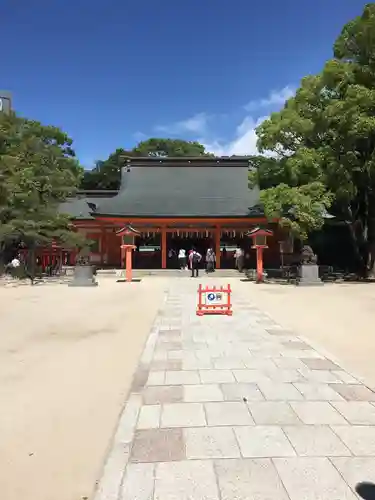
(309, 275)
(84, 276)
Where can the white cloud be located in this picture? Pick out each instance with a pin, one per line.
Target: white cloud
(276, 98)
(244, 142)
(196, 124)
(244, 138)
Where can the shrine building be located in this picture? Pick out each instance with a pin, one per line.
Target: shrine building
(174, 203)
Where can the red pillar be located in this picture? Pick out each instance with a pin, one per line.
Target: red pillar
(163, 248)
(126, 257)
(259, 264)
(217, 247)
(128, 252)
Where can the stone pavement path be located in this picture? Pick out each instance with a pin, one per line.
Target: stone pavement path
(237, 408)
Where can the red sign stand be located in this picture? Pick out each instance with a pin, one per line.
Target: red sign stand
(214, 300)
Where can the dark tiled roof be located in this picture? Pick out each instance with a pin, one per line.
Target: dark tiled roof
(79, 208)
(199, 187)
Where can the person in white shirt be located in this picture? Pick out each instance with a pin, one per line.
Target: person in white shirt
(182, 258)
(239, 257)
(15, 262)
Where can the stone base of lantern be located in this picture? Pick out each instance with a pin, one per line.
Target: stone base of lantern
(309, 275)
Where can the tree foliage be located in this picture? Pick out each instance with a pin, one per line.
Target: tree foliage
(323, 144)
(38, 171)
(170, 147)
(107, 174)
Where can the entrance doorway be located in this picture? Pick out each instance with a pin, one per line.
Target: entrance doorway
(175, 242)
(147, 254)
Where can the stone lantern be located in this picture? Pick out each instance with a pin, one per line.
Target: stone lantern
(259, 237)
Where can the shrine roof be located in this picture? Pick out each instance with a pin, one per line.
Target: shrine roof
(182, 187)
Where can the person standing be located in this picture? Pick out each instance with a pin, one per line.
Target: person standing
(210, 261)
(195, 259)
(237, 255)
(182, 258)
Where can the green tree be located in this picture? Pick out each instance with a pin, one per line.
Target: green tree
(323, 144)
(38, 171)
(107, 173)
(170, 147)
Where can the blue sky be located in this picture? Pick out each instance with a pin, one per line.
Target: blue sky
(112, 72)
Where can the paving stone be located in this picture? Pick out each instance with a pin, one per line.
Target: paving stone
(160, 355)
(345, 377)
(162, 394)
(312, 479)
(128, 420)
(187, 480)
(317, 392)
(355, 469)
(263, 441)
(175, 354)
(138, 482)
(216, 376)
(211, 442)
(202, 393)
(237, 392)
(169, 364)
(158, 445)
(249, 479)
(356, 412)
(320, 364)
(188, 345)
(172, 338)
(113, 473)
(288, 363)
(317, 413)
(296, 344)
(360, 439)
(354, 392)
(196, 364)
(278, 331)
(319, 376)
(259, 364)
(182, 377)
(169, 346)
(274, 391)
(285, 376)
(156, 378)
(265, 354)
(183, 415)
(169, 333)
(139, 379)
(228, 413)
(300, 353)
(149, 417)
(273, 413)
(315, 441)
(229, 364)
(250, 376)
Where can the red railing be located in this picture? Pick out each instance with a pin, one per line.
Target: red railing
(214, 300)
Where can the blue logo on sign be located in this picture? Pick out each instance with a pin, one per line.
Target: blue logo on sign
(211, 296)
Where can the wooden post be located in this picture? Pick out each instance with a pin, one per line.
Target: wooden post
(163, 247)
(128, 252)
(126, 257)
(259, 264)
(217, 247)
